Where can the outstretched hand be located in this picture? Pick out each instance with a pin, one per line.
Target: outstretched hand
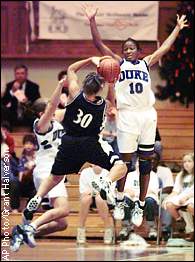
(89, 10)
(97, 59)
(182, 21)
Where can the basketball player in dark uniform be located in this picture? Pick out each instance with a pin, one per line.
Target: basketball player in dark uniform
(82, 119)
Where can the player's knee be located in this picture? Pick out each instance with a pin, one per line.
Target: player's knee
(86, 199)
(145, 166)
(123, 169)
(62, 224)
(56, 179)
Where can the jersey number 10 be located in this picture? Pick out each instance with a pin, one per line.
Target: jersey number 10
(137, 88)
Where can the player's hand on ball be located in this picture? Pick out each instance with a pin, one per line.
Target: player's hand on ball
(182, 21)
(95, 60)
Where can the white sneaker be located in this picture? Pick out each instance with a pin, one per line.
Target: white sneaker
(119, 212)
(137, 215)
(109, 236)
(152, 233)
(81, 235)
(17, 240)
(28, 233)
(104, 188)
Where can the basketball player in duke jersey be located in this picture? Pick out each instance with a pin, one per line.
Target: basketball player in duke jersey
(48, 134)
(137, 118)
(82, 119)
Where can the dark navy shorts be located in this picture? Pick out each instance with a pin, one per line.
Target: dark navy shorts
(76, 151)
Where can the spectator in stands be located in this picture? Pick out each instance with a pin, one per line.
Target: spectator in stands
(166, 184)
(88, 196)
(182, 195)
(8, 138)
(65, 92)
(151, 207)
(19, 94)
(10, 172)
(26, 165)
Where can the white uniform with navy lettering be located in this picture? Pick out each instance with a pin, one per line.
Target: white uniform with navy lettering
(137, 118)
(47, 149)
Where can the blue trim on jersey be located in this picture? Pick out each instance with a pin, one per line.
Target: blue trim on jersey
(146, 65)
(122, 61)
(136, 62)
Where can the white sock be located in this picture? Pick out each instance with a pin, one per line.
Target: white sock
(33, 225)
(142, 203)
(120, 195)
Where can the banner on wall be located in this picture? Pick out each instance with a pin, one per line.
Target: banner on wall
(116, 20)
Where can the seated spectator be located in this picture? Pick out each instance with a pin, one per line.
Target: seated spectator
(9, 140)
(64, 95)
(18, 95)
(25, 186)
(151, 205)
(166, 183)
(10, 172)
(88, 195)
(182, 195)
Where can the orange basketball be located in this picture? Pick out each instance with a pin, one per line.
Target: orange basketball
(109, 68)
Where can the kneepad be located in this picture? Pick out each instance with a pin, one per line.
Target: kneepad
(145, 166)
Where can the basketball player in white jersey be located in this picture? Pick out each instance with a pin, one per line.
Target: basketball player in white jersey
(137, 118)
(48, 133)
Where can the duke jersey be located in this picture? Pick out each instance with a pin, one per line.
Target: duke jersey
(133, 88)
(83, 117)
(48, 143)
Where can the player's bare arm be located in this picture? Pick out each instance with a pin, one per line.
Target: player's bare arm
(165, 47)
(91, 11)
(45, 120)
(73, 84)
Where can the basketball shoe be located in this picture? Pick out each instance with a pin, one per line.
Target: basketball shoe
(16, 241)
(137, 214)
(28, 233)
(103, 186)
(31, 208)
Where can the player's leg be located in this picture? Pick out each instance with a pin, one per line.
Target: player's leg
(148, 121)
(103, 211)
(127, 143)
(105, 157)
(53, 219)
(46, 185)
(85, 202)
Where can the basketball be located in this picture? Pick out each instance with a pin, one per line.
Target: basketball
(109, 68)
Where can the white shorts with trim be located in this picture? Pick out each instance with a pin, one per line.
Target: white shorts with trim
(58, 191)
(136, 128)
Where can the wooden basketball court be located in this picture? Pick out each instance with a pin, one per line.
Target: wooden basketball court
(67, 250)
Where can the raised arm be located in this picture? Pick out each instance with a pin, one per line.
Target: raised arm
(72, 78)
(165, 47)
(45, 120)
(91, 12)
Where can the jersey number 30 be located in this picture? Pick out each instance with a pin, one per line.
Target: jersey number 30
(83, 120)
(138, 88)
